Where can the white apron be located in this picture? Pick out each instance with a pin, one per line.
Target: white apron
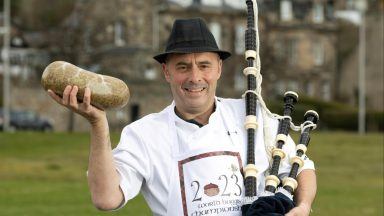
(207, 179)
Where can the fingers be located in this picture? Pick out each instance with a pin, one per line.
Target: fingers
(72, 97)
(70, 101)
(54, 96)
(87, 98)
(85, 109)
(297, 211)
(67, 91)
(69, 98)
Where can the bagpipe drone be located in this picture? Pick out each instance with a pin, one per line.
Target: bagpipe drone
(277, 199)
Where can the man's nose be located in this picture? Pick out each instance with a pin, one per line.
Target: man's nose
(195, 74)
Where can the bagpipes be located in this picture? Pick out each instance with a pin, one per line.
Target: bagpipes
(274, 200)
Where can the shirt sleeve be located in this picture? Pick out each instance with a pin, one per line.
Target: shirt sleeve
(290, 149)
(132, 163)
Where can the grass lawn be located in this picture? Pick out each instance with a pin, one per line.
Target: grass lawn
(350, 173)
(44, 174)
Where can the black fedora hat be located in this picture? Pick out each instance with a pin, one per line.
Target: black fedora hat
(190, 36)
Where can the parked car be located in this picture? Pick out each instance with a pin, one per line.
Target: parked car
(26, 120)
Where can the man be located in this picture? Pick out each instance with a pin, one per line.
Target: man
(187, 159)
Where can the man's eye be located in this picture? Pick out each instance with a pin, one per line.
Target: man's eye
(204, 66)
(181, 67)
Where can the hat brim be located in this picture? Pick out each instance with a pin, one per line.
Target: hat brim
(162, 57)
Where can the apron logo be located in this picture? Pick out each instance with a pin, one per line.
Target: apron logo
(234, 168)
(216, 189)
(211, 190)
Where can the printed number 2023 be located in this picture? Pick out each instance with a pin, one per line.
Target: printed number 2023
(233, 179)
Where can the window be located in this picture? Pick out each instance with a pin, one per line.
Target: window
(212, 2)
(280, 87)
(17, 41)
(318, 12)
(293, 85)
(150, 74)
(239, 80)
(237, 4)
(278, 47)
(119, 38)
(239, 39)
(216, 31)
(291, 51)
(330, 9)
(326, 91)
(286, 10)
(109, 29)
(361, 5)
(318, 53)
(184, 3)
(310, 89)
(350, 5)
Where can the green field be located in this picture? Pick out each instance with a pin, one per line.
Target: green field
(44, 174)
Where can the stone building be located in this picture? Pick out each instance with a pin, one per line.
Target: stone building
(301, 38)
(348, 70)
(119, 37)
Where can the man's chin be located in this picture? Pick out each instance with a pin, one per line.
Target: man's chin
(196, 106)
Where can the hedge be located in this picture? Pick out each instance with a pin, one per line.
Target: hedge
(333, 115)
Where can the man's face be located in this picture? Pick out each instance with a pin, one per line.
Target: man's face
(193, 80)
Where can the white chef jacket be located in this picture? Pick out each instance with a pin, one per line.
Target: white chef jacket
(155, 152)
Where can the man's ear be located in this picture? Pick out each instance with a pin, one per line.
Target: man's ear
(220, 67)
(165, 72)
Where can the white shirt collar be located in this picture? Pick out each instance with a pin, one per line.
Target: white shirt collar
(213, 118)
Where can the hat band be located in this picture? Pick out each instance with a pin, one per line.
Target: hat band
(192, 44)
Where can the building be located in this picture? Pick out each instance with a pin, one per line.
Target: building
(299, 50)
(348, 12)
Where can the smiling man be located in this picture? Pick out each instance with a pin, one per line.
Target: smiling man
(193, 80)
(188, 158)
